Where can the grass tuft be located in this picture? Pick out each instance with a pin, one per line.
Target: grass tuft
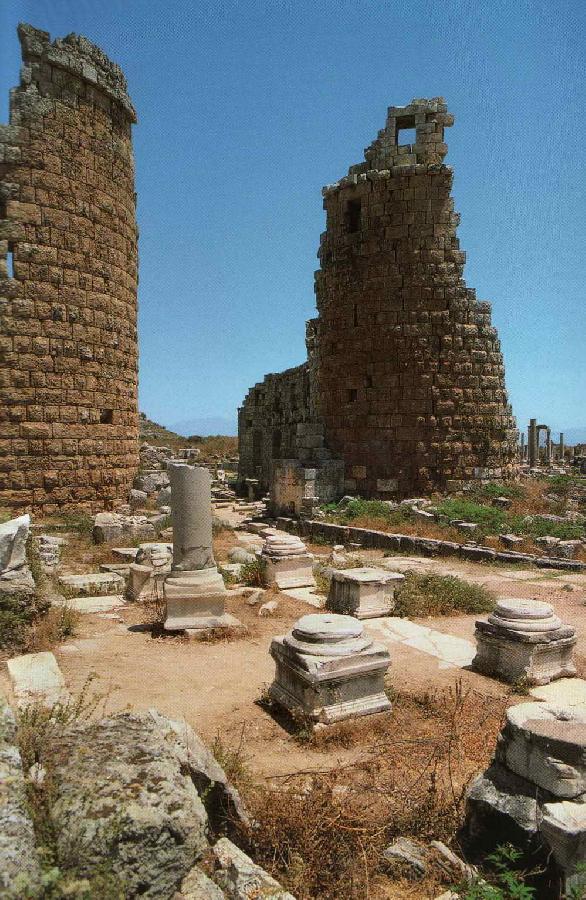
(441, 595)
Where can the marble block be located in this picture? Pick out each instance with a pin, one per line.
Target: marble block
(288, 563)
(364, 593)
(564, 827)
(524, 640)
(328, 669)
(546, 744)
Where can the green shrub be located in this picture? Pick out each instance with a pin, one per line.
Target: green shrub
(537, 526)
(495, 489)
(491, 519)
(441, 595)
(370, 509)
(253, 574)
(502, 882)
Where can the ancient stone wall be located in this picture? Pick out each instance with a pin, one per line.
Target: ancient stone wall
(410, 377)
(68, 280)
(405, 372)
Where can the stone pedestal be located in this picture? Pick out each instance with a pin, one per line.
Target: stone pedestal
(364, 593)
(524, 640)
(195, 593)
(328, 670)
(288, 564)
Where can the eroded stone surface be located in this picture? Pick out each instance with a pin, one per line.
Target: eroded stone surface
(288, 563)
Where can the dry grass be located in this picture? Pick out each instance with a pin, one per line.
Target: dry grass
(60, 623)
(322, 833)
(418, 528)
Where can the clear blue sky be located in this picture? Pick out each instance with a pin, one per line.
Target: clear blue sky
(247, 108)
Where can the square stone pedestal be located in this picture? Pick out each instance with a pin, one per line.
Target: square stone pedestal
(524, 641)
(327, 670)
(196, 600)
(290, 571)
(364, 593)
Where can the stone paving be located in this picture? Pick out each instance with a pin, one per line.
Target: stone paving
(449, 650)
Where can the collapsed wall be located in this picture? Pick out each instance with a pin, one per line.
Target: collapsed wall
(406, 372)
(68, 280)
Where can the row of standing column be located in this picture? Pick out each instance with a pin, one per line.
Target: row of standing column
(532, 451)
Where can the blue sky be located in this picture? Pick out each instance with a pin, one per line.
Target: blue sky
(247, 108)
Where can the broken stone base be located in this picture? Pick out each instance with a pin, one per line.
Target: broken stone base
(524, 641)
(288, 564)
(534, 795)
(365, 593)
(196, 600)
(328, 670)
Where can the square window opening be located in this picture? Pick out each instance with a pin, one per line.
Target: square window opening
(107, 417)
(352, 395)
(406, 136)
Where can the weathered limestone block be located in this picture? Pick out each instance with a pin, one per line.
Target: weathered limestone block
(564, 828)
(242, 879)
(13, 538)
(546, 745)
(533, 794)
(327, 669)
(195, 592)
(110, 527)
(130, 802)
(288, 563)
(524, 640)
(19, 861)
(364, 593)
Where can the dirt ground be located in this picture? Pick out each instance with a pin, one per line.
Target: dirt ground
(215, 686)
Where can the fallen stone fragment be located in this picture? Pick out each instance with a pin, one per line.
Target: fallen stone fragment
(91, 604)
(13, 538)
(242, 879)
(197, 886)
(93, 582)
(408, 852)
(36, 677)
(269, 608)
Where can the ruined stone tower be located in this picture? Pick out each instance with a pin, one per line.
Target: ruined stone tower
(68, 280)
(405, 370)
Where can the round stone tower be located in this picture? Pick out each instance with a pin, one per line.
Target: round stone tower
(68, 281)
(408, 370)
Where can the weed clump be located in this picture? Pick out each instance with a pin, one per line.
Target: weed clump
(441, 595)
(254, 574)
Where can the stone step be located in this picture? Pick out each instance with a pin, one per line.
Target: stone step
(92, 604)
(94, 582)
(36, 677)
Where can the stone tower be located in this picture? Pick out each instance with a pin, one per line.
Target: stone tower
(68, 280)
(408, 369)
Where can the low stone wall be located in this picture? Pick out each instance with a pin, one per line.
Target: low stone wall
(411, 544)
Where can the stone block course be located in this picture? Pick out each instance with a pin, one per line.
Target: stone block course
(68, 316)
(405, 373)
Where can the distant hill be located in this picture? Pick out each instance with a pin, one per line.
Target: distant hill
(211, 446)
(206, 425)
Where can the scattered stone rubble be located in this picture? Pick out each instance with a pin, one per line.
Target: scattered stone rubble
(534, 792)
(524, 642)
(328, 669)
